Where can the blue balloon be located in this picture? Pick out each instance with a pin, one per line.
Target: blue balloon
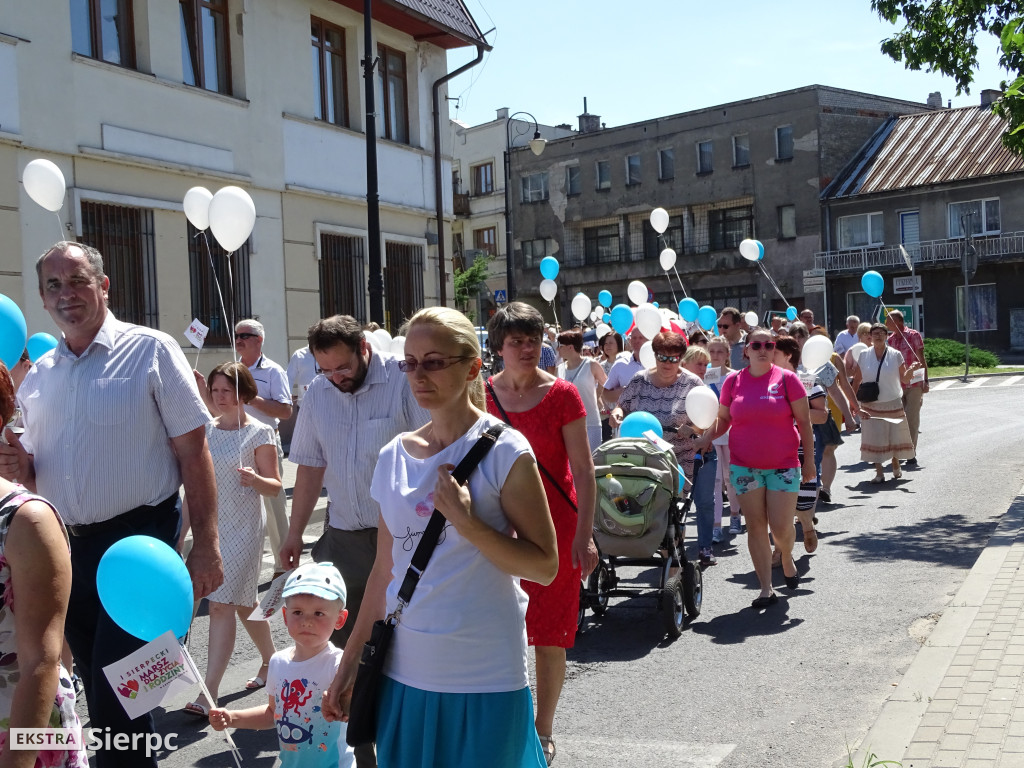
(707, 318)
(607, 317)
(656, 304)
(604, 298)
(145, 587)
(622, 318)
(688, 309)
(760, 248)
(13, 332)
(39, 344)
(637, 423)
(791, 314)
(549, 267)
(872, 283)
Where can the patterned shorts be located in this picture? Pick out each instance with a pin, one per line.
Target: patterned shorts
(747, 479)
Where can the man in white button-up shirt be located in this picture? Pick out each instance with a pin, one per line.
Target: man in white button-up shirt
(114, 425)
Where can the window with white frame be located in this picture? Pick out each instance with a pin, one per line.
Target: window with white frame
(980, 307)
(535, 187)
(666, 163)
(632, 170)
(787, 221)
(573, 182)
(604, 174)
(860, 231)
(704, 157)
(740, 151)
(784, 142)
(978, 217)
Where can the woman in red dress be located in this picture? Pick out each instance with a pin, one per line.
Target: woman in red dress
(550, 414)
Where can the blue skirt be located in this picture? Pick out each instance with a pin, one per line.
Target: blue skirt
(422, 729)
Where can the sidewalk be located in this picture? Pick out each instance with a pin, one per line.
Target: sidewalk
(960, 703)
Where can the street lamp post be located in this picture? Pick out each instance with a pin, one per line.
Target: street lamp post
(537, 145)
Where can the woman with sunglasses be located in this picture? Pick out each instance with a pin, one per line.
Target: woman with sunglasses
(765, 409)
(661, 391)
(549, 413)
(455, 690)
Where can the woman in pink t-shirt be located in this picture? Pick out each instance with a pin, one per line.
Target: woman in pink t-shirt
(765, 410)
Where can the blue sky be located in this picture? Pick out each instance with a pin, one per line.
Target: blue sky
(640, 60)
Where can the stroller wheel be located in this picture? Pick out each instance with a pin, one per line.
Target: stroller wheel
(598, 586)
(693, 589)
(672, 607)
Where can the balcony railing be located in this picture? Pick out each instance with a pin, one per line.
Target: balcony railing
(924, 253)
(460, 201)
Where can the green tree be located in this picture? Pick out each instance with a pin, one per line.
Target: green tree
(468, 282)
(943, 37)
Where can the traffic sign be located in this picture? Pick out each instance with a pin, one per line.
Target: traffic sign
(814, 285)
(500, 297)
(906, 284)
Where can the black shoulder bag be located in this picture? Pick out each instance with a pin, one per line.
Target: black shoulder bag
(868, 391)
(540, 466)
(362, 721)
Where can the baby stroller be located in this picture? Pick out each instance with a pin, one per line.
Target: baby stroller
(640, 520)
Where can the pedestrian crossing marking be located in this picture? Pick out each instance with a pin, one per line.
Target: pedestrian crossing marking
(1010, 381)
(641, 754)
(976, 383)
(938, 387)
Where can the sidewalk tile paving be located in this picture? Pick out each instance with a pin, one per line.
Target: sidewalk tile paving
(960, 704)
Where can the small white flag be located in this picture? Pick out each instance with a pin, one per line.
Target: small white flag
(271, 601)
(143, 679)
(196, 333)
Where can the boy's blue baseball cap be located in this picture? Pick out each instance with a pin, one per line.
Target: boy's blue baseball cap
(319, 579)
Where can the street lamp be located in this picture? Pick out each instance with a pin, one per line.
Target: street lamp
(537, 145)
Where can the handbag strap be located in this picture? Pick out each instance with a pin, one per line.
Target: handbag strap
(548, 475)
(881, 363)
(432, 533)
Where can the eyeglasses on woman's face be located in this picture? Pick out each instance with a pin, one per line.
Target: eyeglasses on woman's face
(668, 358)
(430, 364)
(757, 346)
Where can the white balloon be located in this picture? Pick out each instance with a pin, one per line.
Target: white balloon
(667, 259)
(602, 330)
(548, 290)
(599, 310)
(659, 220)
(373, 341)
(647, 358)
(648, 320)
(383, 340)
(749, 250)
(751, 318)
(197, 207)
(702, 407)
(232, 217)
(816, 352)
(580, 306)
(637, 292)
(398, 347)
(45, 184)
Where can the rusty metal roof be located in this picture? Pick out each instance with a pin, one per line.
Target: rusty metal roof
(928, 148)
(445, 23)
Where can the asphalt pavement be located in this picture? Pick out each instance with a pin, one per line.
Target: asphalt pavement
(789, 686)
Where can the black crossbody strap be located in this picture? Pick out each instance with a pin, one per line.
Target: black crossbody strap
(428, 542)
(541, 467)
(881, 363)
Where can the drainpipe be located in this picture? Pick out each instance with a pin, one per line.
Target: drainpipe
(438, 181)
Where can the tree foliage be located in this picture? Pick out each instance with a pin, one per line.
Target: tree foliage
(469, 280)
(944, 36)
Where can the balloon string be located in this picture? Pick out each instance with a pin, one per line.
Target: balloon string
(220, 295)
(772, 282)
(681, 286)
(675, 301)
(209, 697)
(60, 227)
(663, 241)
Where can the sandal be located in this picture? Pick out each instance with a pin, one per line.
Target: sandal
(260, 681)
(878, 479)
(810, 539)
(547, 743)
(196, 709)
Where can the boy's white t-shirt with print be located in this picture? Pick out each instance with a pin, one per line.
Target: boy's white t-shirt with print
(305, 737)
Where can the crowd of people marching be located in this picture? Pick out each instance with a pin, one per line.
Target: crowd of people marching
(499, 571)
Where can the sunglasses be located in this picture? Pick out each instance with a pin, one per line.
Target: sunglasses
(758, 345)
(724, 326)
(668, 358)
(244, 336)
(430, 365)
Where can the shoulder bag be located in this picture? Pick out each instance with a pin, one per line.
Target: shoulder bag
(868, 391)
(362, 721)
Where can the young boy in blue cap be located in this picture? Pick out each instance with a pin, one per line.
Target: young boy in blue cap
(314, 597)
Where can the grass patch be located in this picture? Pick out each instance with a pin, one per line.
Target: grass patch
(935, 372)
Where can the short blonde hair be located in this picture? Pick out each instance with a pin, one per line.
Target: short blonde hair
(460, 331)
(696, 353)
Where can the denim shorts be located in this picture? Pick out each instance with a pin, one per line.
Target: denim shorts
(747, 479)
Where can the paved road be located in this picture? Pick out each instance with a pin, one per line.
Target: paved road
(789, 686)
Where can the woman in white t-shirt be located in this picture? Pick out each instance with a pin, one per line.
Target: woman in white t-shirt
(586, 375)
(455, 691)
